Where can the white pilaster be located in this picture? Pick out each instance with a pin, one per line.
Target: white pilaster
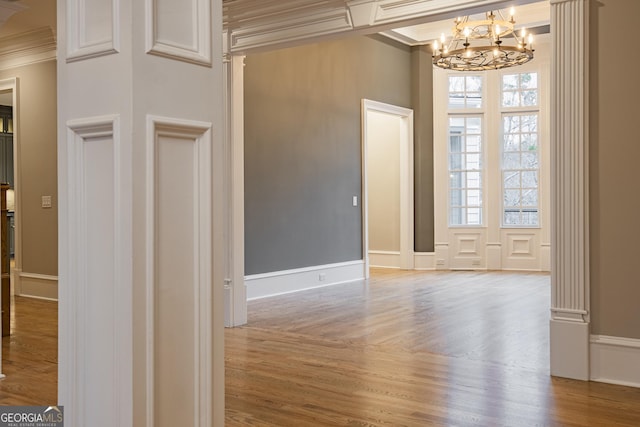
(570, 190)
(140, 184)
(234, 288)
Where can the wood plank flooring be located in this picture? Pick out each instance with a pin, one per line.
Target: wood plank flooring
(404, 349)
(30, 354)
(411, 349)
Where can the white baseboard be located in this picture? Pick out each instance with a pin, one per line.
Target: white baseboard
(615, 360)
(300, 279)
(34, 285)
(424, 260)
(384, 259)
(569, 349)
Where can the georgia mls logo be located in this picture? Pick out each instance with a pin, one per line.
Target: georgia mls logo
(53, 414)
(31, 416)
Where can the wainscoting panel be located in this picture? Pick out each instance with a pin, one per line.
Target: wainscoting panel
(93, 28)
(99, 290)
(179, 29)
(467, 250)
(520, 250)
(179, 294)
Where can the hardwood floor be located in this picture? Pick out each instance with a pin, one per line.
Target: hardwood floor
(30, 354)
(404, 349)
(411, 349)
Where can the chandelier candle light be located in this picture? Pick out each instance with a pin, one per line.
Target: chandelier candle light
(478, 45)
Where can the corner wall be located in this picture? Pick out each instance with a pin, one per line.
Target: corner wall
(614, 153)
(614, 203)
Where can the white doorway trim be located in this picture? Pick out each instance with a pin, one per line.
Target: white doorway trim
(406, 181)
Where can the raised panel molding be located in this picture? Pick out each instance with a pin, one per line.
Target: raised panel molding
(96, 350)
(520, 245)
(467, 244)
(163, 41)
(90, 31)
(179, 276)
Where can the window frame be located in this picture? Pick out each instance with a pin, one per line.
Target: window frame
(520, 110)
(468, 112)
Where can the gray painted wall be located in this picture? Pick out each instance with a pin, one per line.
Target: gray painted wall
(302, 147)
(614, 154)
(422, 102)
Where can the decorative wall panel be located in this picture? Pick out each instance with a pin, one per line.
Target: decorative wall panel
(99, 288)
(180, 30)
(92, 28)
(179, 253)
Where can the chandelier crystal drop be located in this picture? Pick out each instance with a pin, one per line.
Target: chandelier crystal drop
(480, 45)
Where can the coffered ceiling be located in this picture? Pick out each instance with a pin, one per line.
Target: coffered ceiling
(254, 25)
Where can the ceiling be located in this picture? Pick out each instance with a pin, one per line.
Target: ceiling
(36, 15)
(40, 14)
(531, 15)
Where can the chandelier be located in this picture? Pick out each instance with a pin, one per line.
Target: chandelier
(478, 45)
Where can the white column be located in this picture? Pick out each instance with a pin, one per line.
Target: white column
(234, 288)
(140, 167)
(570, 190)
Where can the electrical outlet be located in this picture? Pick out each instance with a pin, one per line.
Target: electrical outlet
(355, 201)
(439, 261)
(322, 277)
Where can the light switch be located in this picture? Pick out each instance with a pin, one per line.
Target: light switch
(46, 202)
(355, 200)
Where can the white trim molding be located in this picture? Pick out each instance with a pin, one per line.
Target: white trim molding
(30, 47)
(40, 286)
(159, 39)
(384, 259)
(424, 260)
(570, 189)
(95, 352)
(300, 279)
(265, 24)
(96, 38)
(615, 360)
(233, 145)
(405, 255)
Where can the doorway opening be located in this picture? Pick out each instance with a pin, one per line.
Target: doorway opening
(387, 185)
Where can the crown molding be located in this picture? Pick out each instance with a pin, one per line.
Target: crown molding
(260, 24)
(30, 47)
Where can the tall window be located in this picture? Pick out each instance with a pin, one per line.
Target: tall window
(520, 156)
(465, 170)
(465, 150)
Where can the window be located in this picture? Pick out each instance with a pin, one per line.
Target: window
(520, 157)
(465, 92)
(465, 150)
